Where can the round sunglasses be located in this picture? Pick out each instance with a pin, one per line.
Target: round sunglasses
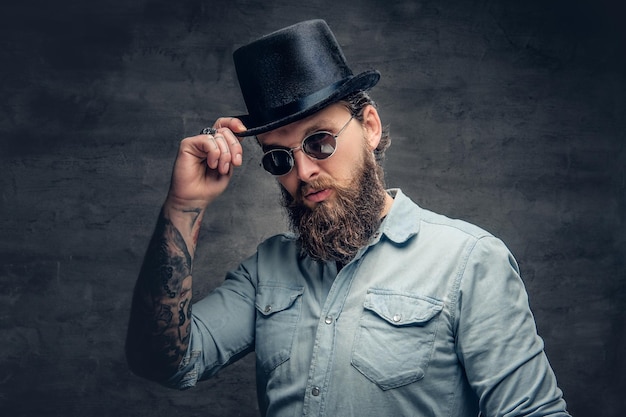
(319, 145)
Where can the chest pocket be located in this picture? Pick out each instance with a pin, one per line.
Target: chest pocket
(277, 314)
(395, 338)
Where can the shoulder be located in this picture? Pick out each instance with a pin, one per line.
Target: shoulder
(408, 219)
(440, 222)
(278, 243)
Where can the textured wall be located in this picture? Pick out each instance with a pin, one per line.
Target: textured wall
(508, 114)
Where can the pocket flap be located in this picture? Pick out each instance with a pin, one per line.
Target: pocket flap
(271, 299)
(402, 309)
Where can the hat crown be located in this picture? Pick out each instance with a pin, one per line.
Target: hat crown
(291, 72)
(289, 64)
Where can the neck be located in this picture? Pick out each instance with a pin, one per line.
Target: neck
(387, 206)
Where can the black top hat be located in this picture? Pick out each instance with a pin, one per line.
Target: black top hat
(292, 73)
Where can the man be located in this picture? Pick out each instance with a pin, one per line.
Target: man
(373, 306)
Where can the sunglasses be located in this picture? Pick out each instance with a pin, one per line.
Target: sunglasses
(319, 145)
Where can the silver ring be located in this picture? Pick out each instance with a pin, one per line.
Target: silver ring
(208, 131)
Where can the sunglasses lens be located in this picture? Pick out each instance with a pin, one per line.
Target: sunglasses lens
(277, 161)
(319, 145)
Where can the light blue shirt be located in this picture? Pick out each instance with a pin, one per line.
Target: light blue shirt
(430, 319)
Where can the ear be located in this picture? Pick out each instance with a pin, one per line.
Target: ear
(372, 126)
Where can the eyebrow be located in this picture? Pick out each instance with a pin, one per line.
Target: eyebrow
(322, 125)
(319, 126)
(270, 147)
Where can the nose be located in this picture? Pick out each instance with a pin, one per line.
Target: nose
(305, 167)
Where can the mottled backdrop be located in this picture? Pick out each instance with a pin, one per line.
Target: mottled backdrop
(509, 114)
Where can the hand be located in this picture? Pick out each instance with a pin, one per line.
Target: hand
(204, 164)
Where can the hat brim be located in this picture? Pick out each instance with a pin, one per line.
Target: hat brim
(360, 82)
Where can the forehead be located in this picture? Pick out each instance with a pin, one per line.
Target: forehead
(291, 134)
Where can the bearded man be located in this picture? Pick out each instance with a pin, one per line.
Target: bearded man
(373, 306)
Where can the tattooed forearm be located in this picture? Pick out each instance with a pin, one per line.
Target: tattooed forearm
(160, 318)
(194, 225)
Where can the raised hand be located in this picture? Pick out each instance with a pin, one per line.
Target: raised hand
(204, 164)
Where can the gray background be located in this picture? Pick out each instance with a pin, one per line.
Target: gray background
(508, 114)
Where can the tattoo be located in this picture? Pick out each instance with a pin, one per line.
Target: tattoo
(192, 226)
(171, 257)
(161, 316)
(197, 212)
(183, 331)
(181, 313)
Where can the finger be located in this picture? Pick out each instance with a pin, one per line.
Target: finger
(234, 146)
(225, 155)
(199, 146)
(209, 146)
(231, 123)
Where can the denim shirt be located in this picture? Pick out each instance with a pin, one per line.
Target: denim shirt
(430, 319)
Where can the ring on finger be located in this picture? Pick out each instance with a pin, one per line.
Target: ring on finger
(208, 131)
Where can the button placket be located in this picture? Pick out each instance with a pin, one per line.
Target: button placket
(323, 351)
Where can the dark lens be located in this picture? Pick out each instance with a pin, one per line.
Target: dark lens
(319, 145)
(277, 161)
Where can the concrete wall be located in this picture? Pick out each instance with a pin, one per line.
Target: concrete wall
(509, 114)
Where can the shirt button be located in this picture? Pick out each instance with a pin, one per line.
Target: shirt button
(315, 391)
(396, 318)
(268, 308)
(328, 319)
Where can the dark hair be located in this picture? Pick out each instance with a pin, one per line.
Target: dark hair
(356, 103)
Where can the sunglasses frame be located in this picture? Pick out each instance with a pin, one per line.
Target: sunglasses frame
(290, 151)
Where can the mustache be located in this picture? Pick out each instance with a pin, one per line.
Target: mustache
(305, 188)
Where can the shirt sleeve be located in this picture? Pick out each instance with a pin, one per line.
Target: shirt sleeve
(222, 327)
(497, 340)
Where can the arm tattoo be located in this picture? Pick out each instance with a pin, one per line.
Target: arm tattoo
(194, 220)
(160, 323)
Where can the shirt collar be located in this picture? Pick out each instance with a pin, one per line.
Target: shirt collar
(402, 221)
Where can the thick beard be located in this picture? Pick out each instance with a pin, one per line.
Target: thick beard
(335, 230)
